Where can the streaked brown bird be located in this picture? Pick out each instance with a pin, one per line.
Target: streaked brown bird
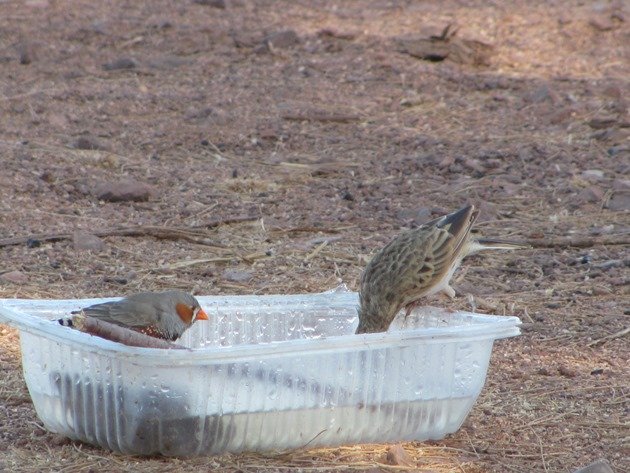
(419, 263)
(163, 315)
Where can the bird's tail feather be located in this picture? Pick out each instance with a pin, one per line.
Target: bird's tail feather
(482, 244)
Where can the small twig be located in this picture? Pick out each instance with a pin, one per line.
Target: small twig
(191, 234)
(542, 450)
(607, 338)
(226, 221)
(527, 316)
(310, 229)
(311, 440)
(319, 116)
(187, 263)
(316, 251)
(119, 334)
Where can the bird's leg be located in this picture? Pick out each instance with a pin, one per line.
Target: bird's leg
(409, 308)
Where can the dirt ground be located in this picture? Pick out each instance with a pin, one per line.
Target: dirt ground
(309, 122)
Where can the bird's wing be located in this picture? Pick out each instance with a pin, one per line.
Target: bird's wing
(121, 313)
(437, 247)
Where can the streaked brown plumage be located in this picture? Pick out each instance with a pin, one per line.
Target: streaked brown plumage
(159, 314)
(416, 264)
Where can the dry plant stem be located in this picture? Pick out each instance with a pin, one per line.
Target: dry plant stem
(163, 233)
(320, 117)
(607, 338)
(119, 334)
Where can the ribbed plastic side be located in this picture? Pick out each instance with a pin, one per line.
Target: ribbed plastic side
(415, 392)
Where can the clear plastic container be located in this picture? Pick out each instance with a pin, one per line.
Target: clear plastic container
(265, 373)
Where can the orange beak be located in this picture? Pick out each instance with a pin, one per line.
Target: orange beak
(201, 315)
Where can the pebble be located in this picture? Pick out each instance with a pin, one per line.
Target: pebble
(418, 216)
(593, 174)
(592, 194)
(84, 241)
(26, 53)
(237, 275)
(211, 3)
(619, 201)
(168, 61)
(567, 371)
(396, 455)
(621, 184)
(89, 142)
(282, 39)
(605, 265)
(123, 191)
(543, 93)
(33, 243)
(15, 277)
(599, 466)
(599, 123)
(120, 64)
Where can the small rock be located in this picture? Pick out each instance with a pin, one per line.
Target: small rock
(599, 466)
(611, 263)
(89, 142)
(282, 39)
(619, 201)
(418, 216)
(237, 275)
(599, 123)
(331, 33)
(448, 161)
(346, 195)
(83, 241)
(116, 279)
(613, 91)
(543, 93)
(561, 115)
(600, 290)
(591, 194)
(396, 455)
(168, 62)
(474, 165)
(59, 440)
(621, 184)
(15, 277)
(567, 371)
(211, 3)
(33, 243)
(593, 174)
(120, 64)
(123, 191)
(610, 134)
(26, 53)
(602, 23)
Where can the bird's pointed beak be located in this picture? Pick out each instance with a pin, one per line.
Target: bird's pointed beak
(201, 315)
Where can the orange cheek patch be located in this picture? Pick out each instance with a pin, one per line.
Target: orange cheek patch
(185, 313)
